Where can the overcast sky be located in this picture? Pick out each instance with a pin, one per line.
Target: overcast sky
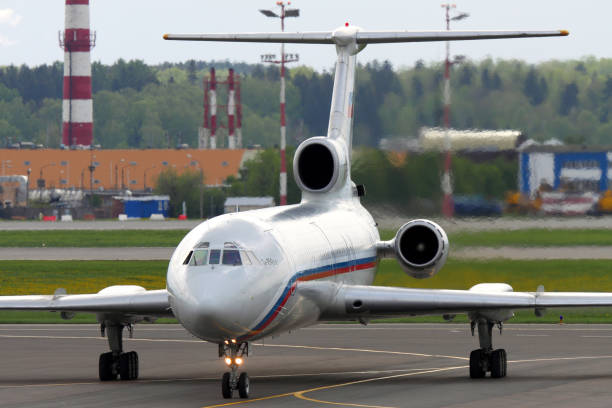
(133, 29)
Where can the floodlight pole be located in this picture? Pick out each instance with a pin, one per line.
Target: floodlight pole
(282, 61)
(447, 185)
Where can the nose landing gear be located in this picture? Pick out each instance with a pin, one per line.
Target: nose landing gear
(234, 354)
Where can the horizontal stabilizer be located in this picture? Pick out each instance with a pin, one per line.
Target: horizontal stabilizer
(364, 37)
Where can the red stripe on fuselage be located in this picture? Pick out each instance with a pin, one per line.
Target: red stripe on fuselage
(338, 271)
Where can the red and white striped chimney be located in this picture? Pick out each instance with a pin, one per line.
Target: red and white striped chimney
(231, 111)
(77, 108)
(213, 109)
(238, 117)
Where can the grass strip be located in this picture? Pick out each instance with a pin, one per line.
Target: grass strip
(87, 238)
(536, 237)
(171, 238)
(44, 277)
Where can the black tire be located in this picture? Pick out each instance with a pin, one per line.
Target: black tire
(476, 370)
(497, 364)
(244, 385)
(504, 362)
(128, 366)
(226, 388)
(105, 367)
(134, 364)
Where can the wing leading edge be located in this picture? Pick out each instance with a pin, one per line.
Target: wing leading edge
(372, 301)
(132, 301)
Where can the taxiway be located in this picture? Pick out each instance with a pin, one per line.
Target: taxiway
(382, 365)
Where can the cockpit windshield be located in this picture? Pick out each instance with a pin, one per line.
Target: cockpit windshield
(231, 254)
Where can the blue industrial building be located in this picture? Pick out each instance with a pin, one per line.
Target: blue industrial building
(143, 207)
(567, 168)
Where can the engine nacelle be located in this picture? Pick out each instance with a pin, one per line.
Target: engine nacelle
(420, 246)
(320, 164)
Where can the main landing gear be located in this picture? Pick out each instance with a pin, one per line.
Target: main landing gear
(485, 359)
(234, 354)
(116, 362)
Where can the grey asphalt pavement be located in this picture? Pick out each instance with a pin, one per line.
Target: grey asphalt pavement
(382, 365)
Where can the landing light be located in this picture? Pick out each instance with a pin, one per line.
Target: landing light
(228, 361)
(238, 360)
(234, 341)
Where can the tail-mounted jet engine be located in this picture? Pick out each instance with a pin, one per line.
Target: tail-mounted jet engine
(320, 164)
(420, 246)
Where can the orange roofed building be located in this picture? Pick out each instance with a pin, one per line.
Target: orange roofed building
(118, 169)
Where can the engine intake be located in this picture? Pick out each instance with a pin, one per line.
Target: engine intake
(319, 164)
(420, 246)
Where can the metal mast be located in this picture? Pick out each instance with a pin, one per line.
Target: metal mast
(283, 59)
(447, 186)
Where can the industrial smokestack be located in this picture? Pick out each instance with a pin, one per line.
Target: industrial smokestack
(231, 111)
(213, 109)
(77, 108)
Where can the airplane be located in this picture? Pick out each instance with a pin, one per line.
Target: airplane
(244, 276)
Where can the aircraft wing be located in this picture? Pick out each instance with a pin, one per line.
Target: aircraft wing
(123, 303)
(483, 299)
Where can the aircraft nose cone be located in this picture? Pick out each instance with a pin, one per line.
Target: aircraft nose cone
(218, 307)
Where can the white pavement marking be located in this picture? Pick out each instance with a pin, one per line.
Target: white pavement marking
(360, 350)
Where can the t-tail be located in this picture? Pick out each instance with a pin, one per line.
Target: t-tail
(322, 164)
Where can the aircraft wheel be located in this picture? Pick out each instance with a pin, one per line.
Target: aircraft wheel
(226, 387)
(498, 363)
(128, 366)
(476, 370)
(105, 367)
(243, 385)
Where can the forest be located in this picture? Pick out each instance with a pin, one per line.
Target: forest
(138, 106)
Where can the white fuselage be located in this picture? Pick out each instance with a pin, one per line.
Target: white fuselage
(331, 242)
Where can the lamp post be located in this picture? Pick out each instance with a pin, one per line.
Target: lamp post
(447, 186)
(91, 169)
(41, 181)
(132, 163)
(28, 187)
(144, 183)
(193, 162)
(284, 58)
(5, 164)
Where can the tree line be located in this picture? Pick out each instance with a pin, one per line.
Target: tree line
(409, 183)
(138, 105)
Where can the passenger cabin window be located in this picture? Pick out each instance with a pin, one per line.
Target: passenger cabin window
(215, 256)
(231, 257)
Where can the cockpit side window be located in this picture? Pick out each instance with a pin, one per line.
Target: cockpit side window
(245, 258)
(188, 259)
(231, 257)
(199, 257)
(215, 256)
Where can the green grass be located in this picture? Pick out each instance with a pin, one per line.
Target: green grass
(43, 277)
(526, 238)
(87, 238)
(170, 238)
(555, 275)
